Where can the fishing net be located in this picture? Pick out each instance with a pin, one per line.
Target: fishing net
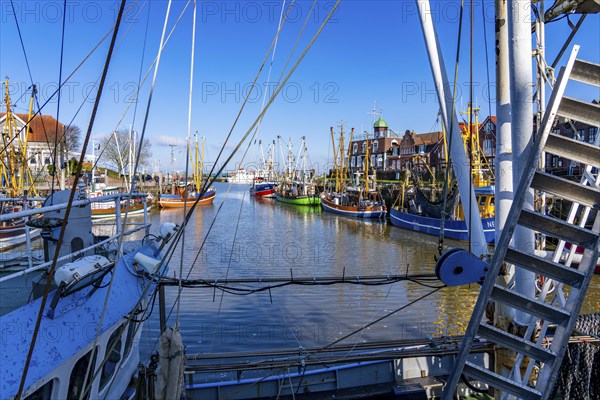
(579, 376)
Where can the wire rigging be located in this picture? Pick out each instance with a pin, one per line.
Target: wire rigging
(187, 158)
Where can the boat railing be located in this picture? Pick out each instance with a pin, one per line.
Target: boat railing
(121, 229)
(71, 255)
(117, 197)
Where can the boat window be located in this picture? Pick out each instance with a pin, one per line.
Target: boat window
(78, 377)
(76, 245)
(43, 393)
(482, 200)
(113, 356)
(131, 329)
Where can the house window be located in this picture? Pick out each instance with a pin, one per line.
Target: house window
(422, 149)
(355, 148)
(580, 135)
(375, 146)
(364, 147)
(353, 161)
(47, 161)
(592, 135)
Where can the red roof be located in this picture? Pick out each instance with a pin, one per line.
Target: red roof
(42, 128)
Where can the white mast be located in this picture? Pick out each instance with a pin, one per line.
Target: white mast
(457, 152)
(519, 26)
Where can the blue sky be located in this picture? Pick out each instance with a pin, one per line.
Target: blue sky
(370, 51)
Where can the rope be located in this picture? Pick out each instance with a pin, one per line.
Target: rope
(70, 202)
(487, 60)
(237, 225)
(60, 68)
(179, 233)
(136, 94)
(324, 348)
(187, 158)
(210, 182)
(88, 387)
(40, 108)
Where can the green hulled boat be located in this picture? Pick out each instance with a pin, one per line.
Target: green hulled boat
(299, 200)
(297, 186)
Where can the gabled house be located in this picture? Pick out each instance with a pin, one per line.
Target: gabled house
(42, 133)
(380, 142)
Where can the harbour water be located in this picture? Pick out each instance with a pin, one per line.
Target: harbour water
(258, 238)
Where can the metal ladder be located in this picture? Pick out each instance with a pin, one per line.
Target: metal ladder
(577, 279)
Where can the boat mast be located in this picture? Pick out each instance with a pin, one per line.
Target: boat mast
(461, 163)
(522, 130)
(503, 192)
(201, 164)
(9, 163)
(348, 155)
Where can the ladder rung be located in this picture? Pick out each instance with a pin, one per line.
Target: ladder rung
(500, 382)
(529, 305)
(581, 111)
(516, 343)
(557, 228)
(586, 72)
(573, 149)
(566, 189)
(552, 270)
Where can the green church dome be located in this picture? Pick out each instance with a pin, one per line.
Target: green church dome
(380, 123)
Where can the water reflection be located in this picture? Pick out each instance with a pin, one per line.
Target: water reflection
(255, 238)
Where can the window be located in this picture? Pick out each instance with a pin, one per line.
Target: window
(364, 147)
(131, 331)
(422, 149)
(76, 245)
(580, 135)
(592, 135)
(78, 376)
(375, 146)
(112, 356)
(353, 162)
(355, 148)
(43, 393)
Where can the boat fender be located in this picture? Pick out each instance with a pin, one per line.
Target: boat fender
(81, 273)
(459, 267)
(149, 263)
(167, 230)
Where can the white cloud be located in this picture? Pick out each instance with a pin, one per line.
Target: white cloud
(165, 140)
